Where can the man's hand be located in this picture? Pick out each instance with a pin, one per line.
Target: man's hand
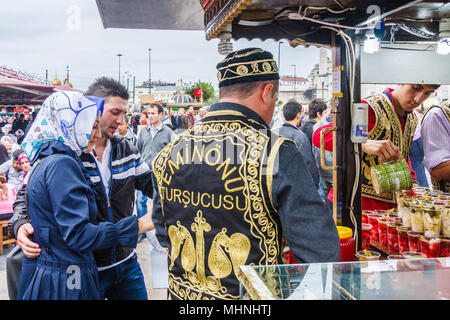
(145, 223)
(385, 149)
(29, 248)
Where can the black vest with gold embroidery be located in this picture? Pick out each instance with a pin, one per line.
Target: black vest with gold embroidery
(387, 127)
(443, 185)
(215, 183)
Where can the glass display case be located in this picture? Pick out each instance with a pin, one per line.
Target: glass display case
(403, 279)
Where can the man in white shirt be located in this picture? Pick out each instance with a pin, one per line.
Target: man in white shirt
(151, 139)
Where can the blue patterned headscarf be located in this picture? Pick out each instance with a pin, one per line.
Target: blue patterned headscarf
(66, 116)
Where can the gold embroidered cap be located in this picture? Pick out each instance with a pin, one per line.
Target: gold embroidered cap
(246, 65)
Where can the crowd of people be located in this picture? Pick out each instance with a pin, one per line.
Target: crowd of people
(226, 190)
(14, 162)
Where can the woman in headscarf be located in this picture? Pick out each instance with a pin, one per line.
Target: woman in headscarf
(24, 163)
(62, 205)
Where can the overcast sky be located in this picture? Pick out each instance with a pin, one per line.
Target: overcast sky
(40, 35)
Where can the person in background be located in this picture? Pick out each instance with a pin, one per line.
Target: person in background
(19, 134)
(144, 118)
(12, 170)
(180, 120)
(201, 114)
(315, 113)
(167, 120)
(7, 196)
(30, 122)
(416, 154)
(173, 119)
(7, 142)
(305, 119)
(190, 115)
(435, 133)
(4, 156)
(20, 125)
(15, 122)
(292, 112)
(326, 176)
(125, 130)
(12, 136)
(24, 163)
(135, 123)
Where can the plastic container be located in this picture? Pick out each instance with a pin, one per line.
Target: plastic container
(413, 241)
(365, 255)
(360, 119)
(373, 220)
(365, 235)
(444, 250)
(402, 233)
(382, 231)
(392, 236)
(430, 246)
(347, 243)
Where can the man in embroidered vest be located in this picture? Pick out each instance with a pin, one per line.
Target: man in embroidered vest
(391, 128)
(435, 132)
(229, 189)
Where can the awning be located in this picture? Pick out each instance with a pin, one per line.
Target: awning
(156, 14)
(273, 19)
(17, 91)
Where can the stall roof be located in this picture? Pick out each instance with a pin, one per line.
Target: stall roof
(145, 14)
(15, 89)
(269, 19)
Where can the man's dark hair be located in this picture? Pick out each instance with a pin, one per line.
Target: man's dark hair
(105, 87)
(16, 154)
(317, 105)
(245, 89)
(291, 109)
(435, 86)
(157, 105)
(22, 116)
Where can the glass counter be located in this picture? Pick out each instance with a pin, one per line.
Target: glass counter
(404, 279)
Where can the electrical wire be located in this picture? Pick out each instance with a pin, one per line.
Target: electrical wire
(325, 8)
(352, 63)
(339, 4)
(296, 16)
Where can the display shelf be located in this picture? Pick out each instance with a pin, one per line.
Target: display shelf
(409, 279)
(384, 250)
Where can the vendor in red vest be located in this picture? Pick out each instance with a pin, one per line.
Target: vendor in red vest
(391, 127)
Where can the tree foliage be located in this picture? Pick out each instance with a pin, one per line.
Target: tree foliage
(207, 90)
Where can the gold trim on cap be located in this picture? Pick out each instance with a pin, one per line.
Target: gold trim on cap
(247, 69)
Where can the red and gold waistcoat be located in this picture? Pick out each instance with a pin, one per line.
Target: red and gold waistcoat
(387, 127)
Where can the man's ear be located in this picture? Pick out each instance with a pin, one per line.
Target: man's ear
(266, 93)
